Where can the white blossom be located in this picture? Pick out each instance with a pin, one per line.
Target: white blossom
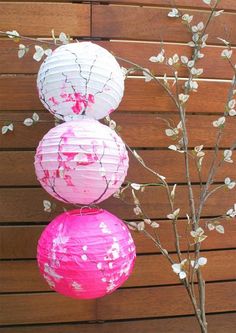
(219, 228)
(22, 50)
(219, 122)
(47, 206)
(7, 128)
(204, 39)
(35, 117)
(174, 131)
(200, 55)
(226, 53)
(147, 76)
(191, 44)
(159, 58)
(13, 34)
(196, 71)
(40, 52)
(171, 132)
(132, 225)
(232, 103)
(63, 38)
(187, 18)
(28, 122)
(208, 2)
(198, 151)
(198, 27)
(211, 226)
(192, 85)
(174, 13)
(174, 215)
(198, 235)
(48, 52)
(216, 226)
(232, 112)
(227, 156)
(180, 269)
(183, 98)
(173, 60)
(191, 63)
(136, 186)
(141, 226)
(155, 225)
(195, 37)
(176, 148)
(232, 211)
(229, 183)
(148, 221)
(200, 262)
(137, 210)
(184, 59)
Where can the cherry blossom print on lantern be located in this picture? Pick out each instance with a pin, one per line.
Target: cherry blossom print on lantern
(80, 79)
(86, 253)
(81, 162)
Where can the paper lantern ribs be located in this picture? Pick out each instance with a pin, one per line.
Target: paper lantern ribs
(86, 253)
(80, 79)
(81, 162)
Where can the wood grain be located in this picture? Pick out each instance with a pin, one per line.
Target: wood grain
(198, 4)
(150, 270)
(123, 304)
(139, 96)
(138, 130)
(146, 302)
(47, 307)
(38, 19)
(166, 162)
(154, 24)
(218, 323)
(12, 238)
(28, 201)
(212, 63)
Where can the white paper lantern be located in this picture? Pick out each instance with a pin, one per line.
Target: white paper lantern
(80, 79)
(81, 162)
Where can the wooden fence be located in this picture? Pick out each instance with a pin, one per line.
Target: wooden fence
(152, 300)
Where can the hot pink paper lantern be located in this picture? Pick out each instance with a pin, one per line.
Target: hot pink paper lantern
(86, 253)
(81, 162)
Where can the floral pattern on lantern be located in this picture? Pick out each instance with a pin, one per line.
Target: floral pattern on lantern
(86, 253)
(81, 162)
(80, 79)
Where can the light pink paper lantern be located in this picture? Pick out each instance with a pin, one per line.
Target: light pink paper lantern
(86, 253)
(80, 79)
(81, 162)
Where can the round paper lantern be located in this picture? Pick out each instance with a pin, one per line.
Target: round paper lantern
(86, 253)
(80, 79)
(81, 162)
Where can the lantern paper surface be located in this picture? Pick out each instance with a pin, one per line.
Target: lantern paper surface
(80, 79)
(86, 253)
(81, 162)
